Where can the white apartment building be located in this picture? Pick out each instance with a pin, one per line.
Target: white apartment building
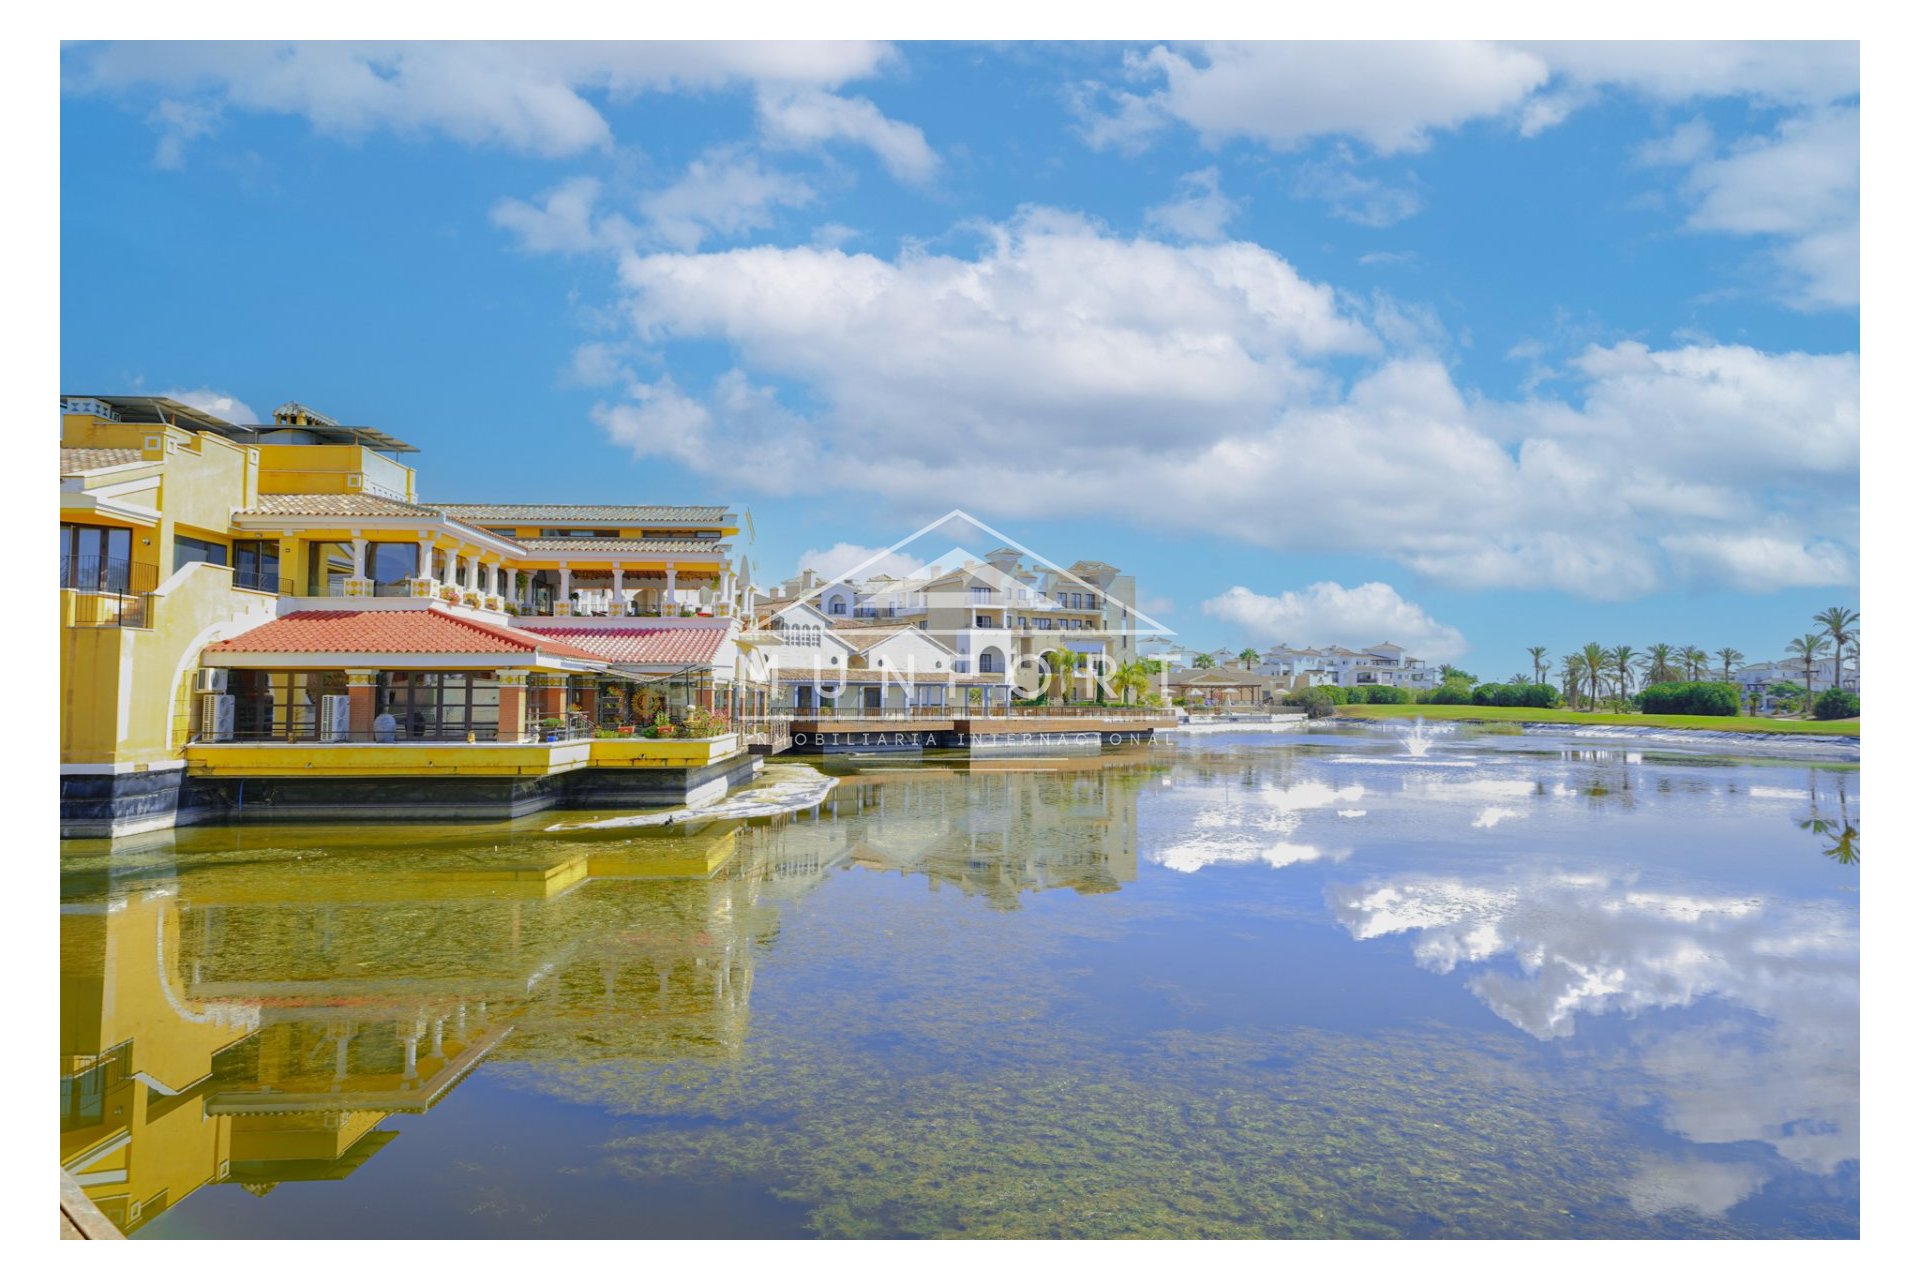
(1385, 663)
(1756, 678)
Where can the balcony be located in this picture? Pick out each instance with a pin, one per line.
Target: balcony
(113, 592)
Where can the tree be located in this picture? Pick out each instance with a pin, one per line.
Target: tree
(1623, 667)
(1659, 668)
(1695, 661)
(1249, 658)
(1450, 672)
(1728, 657)
(1570, 676)
(1133, 678)
(1060, 667)
(1593, 663)
(1809, 649)
(1841, 627)
(1538, 653)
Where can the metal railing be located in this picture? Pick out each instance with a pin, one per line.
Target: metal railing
(107, 575)
(113, 592)
(268, 580)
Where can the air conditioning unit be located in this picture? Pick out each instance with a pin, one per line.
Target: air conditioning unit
(210, 680)
(216, 717)
(335, 717)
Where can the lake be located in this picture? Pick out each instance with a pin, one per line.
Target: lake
(1258, 985)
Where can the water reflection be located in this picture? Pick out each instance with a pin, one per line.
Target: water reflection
(1653, 1025)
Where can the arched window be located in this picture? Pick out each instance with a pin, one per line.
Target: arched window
(991, 662)
(837, 606)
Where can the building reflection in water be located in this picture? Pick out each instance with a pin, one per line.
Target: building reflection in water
(250, 1005)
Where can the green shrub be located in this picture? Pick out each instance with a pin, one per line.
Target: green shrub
(1318, 702)
(1386, 694)
(1516, 695)
(1690, 698)
(1836, 704)
(1454, 693)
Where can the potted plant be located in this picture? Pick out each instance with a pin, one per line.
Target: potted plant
(450, 594)
(551, 728)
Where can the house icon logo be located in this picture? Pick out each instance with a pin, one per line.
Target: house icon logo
(959, 603)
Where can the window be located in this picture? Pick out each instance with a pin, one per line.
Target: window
(329, 565)
(837, 607)
(440, 704)
(280, 705)
(188, 551)
(391, 565)
(95, 558)
(982, 620)
(256, 565)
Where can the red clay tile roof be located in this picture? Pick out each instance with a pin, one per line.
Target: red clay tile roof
(386, 631)
(646, 646)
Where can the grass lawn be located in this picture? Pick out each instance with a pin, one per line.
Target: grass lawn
(1541, 715)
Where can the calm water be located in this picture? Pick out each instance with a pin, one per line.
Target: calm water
(1250, 985)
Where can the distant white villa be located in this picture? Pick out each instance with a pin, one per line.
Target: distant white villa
(1385, 663)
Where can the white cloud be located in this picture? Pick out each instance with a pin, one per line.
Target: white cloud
(726, 192)
(1391, 95)
(1201, 211)
(842, 557)
(1328, 613)
(808, 117)
(1757, 562)
(1352, 196)
(1061, 364)
(723, 193)
(527, 97)
(218, 403)
(1801, 185)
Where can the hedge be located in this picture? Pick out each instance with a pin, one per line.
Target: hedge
(1690, 698)
(1516, 695)
(1836, 704)
(1453, 693)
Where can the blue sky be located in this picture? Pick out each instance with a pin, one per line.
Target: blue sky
(1469, 346)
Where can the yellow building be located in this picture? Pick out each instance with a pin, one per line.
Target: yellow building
(274, 601)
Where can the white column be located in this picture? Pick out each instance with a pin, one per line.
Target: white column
(619, 608)
(564, 604)
(726, 589)
(668, 605)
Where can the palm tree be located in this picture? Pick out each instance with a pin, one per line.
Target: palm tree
(1659, 664)
(1728, 657)
(1203, 663)
(1695, 660)
(1842, 627)
(1132, 678)
(1593, 663)
(1539, 655)
(1570, 678)
(1623, 668)
(1809, 649)
(1060, 667)
(1249, 657)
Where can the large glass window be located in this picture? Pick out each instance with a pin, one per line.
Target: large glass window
(96, 558)
(391, 566)
(329, 565)
(256, 565)
(188, 551)
(440, 704)
(281, 705)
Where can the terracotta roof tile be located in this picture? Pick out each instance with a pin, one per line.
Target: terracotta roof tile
(563, 512)
(393, 631)
(75, 461)
(645, 646)
(336, 504)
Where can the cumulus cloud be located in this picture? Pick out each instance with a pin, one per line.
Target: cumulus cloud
(805, 117)
(725, 193)
(1799, 186)
(844, 557)
(1394, 96)
(218, 403)
(1328, 613)
(1061, 363)
(1200, 211)
(526, 97)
